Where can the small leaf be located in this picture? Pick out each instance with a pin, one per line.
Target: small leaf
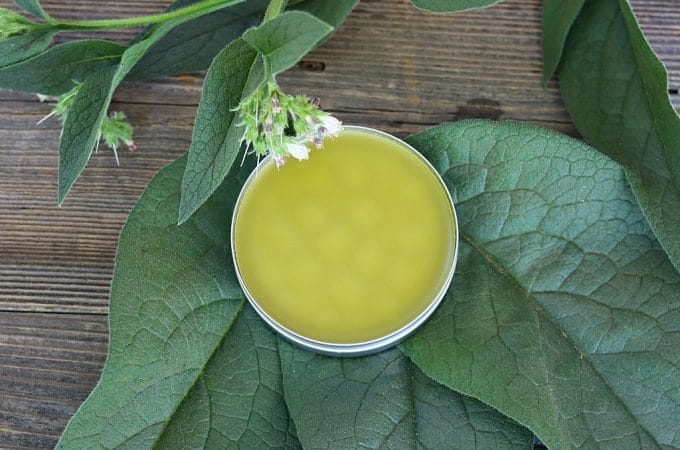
(443, 6)
(57, 70)
(216, 140)
(81, 127)
(564, 310)
(616, 91)
(179, 357)
(32, 7)
(384, 401)
(191, 47)
(22, 47)
(288, 37)
(558, 17)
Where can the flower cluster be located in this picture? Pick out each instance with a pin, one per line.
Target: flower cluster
(282, 125)
(115, 130)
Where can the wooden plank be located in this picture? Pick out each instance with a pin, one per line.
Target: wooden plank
(48, 365)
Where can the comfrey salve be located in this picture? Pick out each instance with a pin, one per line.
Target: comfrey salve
(349, 251)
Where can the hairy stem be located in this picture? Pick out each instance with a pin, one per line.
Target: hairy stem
(198, 9)
(274, 9)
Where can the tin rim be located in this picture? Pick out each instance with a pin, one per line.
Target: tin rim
(356, 348)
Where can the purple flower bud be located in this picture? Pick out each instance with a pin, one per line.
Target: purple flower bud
(278, 160)
(316, 102)
(268, 125)
(276, 104)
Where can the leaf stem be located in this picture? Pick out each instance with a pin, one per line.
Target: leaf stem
(198, 9)
(274, 9)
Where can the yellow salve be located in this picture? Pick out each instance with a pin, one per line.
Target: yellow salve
(348, 246)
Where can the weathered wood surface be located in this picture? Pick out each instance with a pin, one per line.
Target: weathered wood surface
(390, 67)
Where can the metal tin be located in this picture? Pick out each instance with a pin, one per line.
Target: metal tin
(360, 348)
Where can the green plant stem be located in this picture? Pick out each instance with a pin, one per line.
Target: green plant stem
(274, 9)
(198, 9)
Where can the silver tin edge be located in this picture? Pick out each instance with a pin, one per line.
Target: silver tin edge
(360, 348)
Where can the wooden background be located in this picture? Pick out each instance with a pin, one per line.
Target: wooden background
(389, 66)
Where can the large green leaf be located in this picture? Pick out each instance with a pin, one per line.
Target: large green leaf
(285, 39)
(558, 17)
(183, 371)
(55, 71)
(616, 90)
(442, 6)
(24, 46)
(564, 312)
(384, 401)
(216, 140)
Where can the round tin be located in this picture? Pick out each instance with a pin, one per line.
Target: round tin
(356, 348)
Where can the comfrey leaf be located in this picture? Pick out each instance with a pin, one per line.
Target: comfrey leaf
(558, 17)
(57, 70)
(185, 353)
(287, 38)
(216, 140)
(24, 46)
(616, 91)
(564, 310)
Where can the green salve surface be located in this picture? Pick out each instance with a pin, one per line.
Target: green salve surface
(348, 246)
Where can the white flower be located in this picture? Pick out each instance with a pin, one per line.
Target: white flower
(331, 125)
(297, 151)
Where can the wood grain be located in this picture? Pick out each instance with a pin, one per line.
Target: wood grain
(390, 67)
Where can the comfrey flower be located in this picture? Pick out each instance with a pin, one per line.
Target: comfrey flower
(282, 125)
(115, 130)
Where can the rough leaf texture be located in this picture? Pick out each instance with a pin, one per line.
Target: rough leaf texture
(616, 90)
(565, 311)
(384, 401)
(22, 47)
(81, 127)
(216, 140)
(173, 377)
(55, 71)
(285, 39)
